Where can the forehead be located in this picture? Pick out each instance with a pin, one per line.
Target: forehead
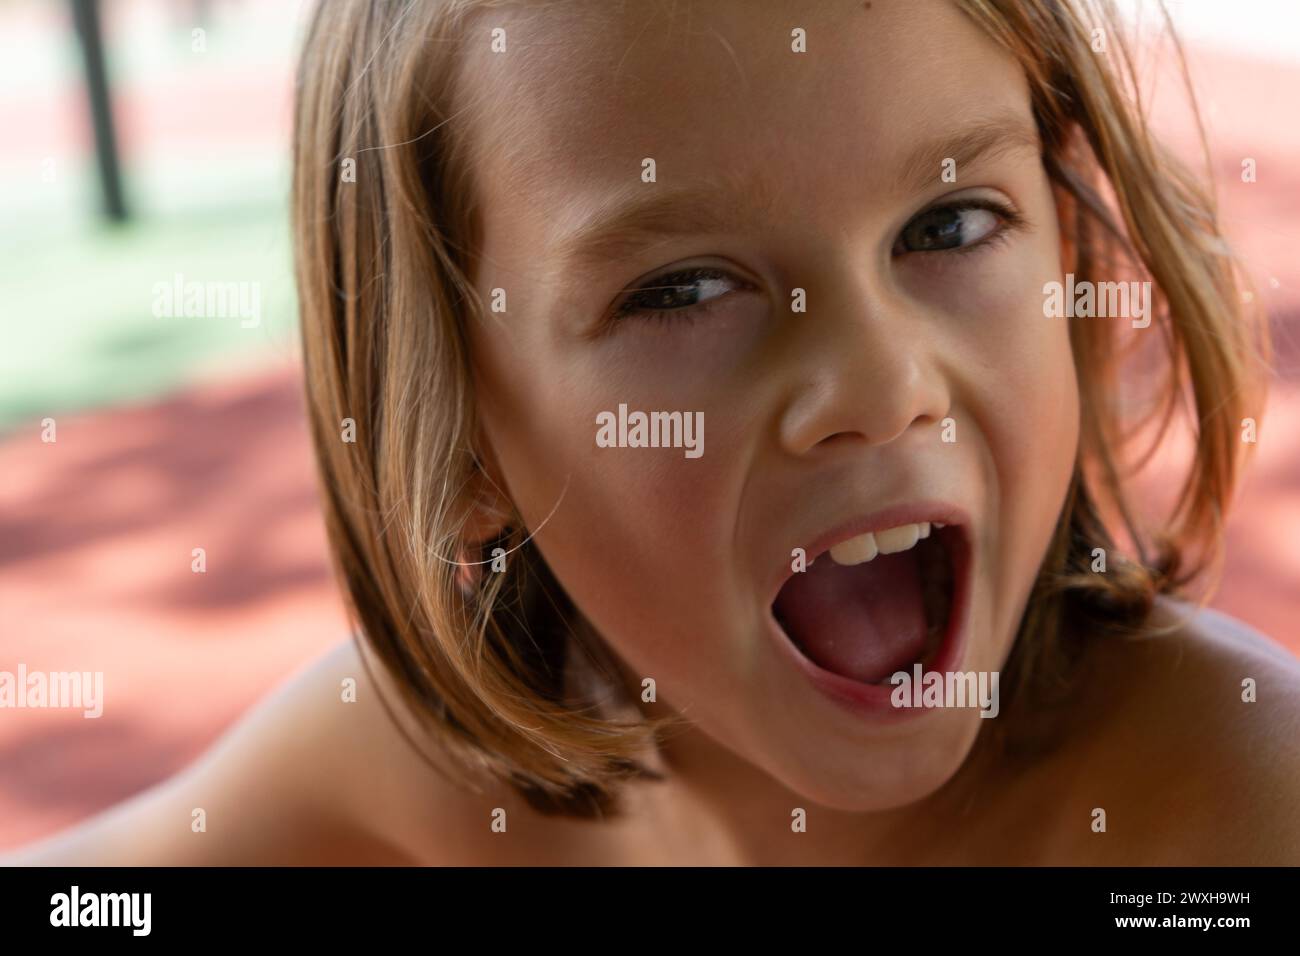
(586, 90)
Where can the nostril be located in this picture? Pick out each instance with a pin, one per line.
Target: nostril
(842, 438)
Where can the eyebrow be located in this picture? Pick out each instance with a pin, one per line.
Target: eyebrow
(637, 218)
(983, 140)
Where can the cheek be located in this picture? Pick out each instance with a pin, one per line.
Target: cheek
(1029, 393)
(1043, 376)
(1019, 377)
(1017, 364)
(1033, 431)
(1034, 448)
(629, 520)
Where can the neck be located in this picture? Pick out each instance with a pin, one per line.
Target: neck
(754, 812)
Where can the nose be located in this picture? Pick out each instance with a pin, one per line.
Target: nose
(867, 371)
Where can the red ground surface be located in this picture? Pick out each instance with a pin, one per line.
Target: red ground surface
(96, 531)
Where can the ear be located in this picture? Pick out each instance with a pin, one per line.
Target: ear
(489, 512)
(490, 508)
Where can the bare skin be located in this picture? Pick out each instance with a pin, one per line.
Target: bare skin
(1187, 773)
(814, 419)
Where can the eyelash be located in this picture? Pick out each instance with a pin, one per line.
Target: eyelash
(680, 278)
(1011, 221)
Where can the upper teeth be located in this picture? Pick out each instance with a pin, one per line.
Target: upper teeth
(890, 541)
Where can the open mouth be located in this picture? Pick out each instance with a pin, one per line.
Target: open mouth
(876, 604)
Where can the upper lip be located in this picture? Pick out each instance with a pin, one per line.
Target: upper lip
(910, 512)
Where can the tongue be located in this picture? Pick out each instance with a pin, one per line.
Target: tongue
(863, 622)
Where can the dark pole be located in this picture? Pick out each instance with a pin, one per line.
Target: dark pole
(85, 13)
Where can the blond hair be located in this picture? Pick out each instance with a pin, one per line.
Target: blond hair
(382, 265)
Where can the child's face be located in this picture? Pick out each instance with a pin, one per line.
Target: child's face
(806, 171)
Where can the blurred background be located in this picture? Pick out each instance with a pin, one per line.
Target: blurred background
(175, 433)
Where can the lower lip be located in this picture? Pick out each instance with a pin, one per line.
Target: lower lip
(874, 701)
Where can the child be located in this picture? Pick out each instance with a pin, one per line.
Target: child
(722, 444)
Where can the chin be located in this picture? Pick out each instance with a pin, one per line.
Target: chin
(865, 777)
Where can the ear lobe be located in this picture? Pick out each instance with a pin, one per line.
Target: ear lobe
(490, 510)
(488, 515)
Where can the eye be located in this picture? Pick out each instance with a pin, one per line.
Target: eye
(678, 295)
(956, 226)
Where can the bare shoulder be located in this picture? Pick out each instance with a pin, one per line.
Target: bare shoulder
(1196, 743)
(374, 784)
(399, 791)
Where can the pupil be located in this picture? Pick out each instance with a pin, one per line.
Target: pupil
(945, 230)
(677, 296)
